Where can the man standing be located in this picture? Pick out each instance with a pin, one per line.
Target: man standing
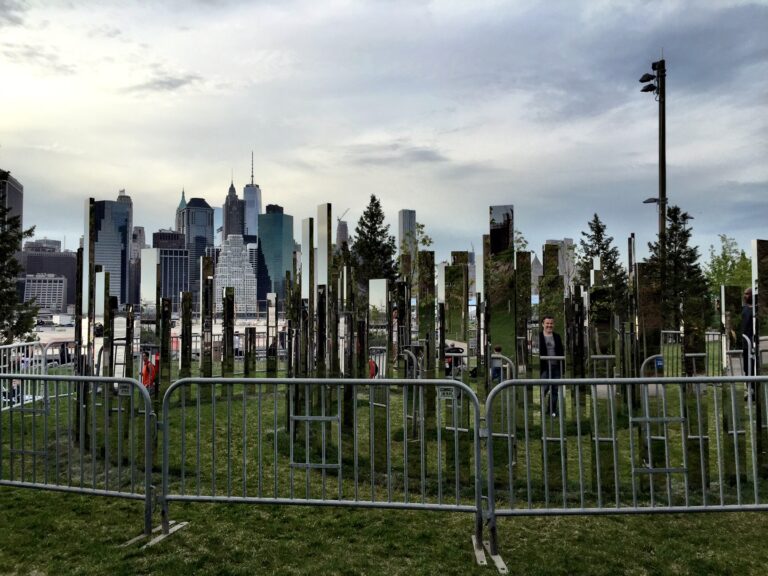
(148, 371)
(550, 344)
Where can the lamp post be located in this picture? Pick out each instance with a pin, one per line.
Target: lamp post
(656, 83)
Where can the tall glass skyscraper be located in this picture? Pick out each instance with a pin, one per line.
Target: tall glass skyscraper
(112, 248)
(276, 240)
(195, 219)
(252, 198)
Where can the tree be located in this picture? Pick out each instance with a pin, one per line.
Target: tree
(412, 242)
(519, 241)
(17, 318)
(731, 266)
(373, 249)
(685, 290)
(597, 243)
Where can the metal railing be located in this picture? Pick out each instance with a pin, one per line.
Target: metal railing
(688, 444)
(323, 442)
(536, 447)
(79, 434)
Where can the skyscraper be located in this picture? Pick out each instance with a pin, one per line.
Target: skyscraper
(12, 197)
(252, 199)
(114, 233)
(406, 232)
(196, 222)
(45, 257)
(234, 270)
(342, 234)
(234, 213)
(276, 241)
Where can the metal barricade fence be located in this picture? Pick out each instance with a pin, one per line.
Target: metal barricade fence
(85, 435)
(323, 442)
(689, 445)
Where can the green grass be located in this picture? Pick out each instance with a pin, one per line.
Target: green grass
(52, 533)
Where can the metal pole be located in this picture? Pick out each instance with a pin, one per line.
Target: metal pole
(661, 73)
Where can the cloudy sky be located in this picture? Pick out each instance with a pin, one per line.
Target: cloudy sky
(445, 107)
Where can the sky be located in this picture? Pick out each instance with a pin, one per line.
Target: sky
(443, 107)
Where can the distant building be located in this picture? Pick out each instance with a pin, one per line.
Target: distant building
(195, 220)
(138, 242)
(61, 264)
(234, 214)
(218, 225)
(566, 261)
(48, 290)
(537, 271)
(252, 199)
(12, 197)
(406, 232)
(234, 270)
(276, 243)
(173, 268)
(342, 234)
(169, 239)
(114, 229)
(43, 245)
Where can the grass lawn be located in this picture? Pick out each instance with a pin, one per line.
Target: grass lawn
(54, 533)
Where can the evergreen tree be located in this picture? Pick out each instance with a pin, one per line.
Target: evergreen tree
(597, 243)
(373, 249)
(685, 291)
(17, 318)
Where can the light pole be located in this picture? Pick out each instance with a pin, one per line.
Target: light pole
(656, 83)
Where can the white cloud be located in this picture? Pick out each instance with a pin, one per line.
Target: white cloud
(442, 107)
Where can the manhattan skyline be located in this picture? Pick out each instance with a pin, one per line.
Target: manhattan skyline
(444, 108)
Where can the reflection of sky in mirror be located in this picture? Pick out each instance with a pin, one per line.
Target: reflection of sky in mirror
(307, 231)
(377, 299)
(148, 295)
(323, 237)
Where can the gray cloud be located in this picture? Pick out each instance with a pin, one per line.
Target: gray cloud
(11, 13)
(35, 55)
(398, 152)
(166, 83)
(106, 32)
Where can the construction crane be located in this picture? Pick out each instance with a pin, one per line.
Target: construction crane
(338, 218)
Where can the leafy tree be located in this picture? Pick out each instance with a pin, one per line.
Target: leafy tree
(17, 319)
(418, 240)
(597, 243)
(730, 266)
(519, 241)
(373, 249)
(685, 291)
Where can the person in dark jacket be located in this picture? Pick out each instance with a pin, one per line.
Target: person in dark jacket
(550, 344)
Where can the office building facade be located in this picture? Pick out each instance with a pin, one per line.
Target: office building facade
(48, 290)
(276, 242)
(195, 220)
(233, 269)
(234, 214)
(112, 247)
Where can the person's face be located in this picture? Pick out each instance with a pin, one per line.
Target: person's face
(549, 326)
